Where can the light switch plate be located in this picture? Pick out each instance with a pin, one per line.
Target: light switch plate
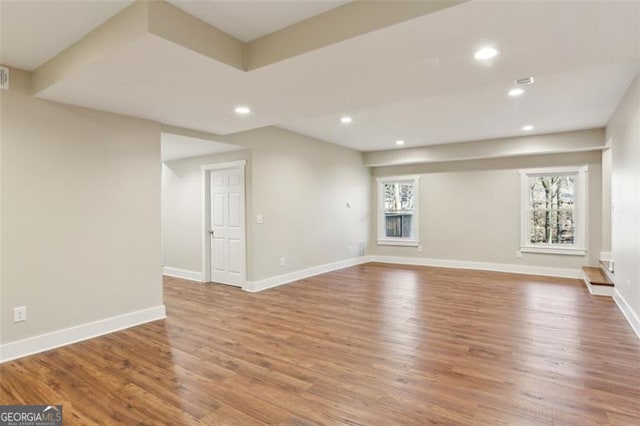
(20, 314)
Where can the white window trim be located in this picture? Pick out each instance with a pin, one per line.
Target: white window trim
(580, 210)
(414, 241)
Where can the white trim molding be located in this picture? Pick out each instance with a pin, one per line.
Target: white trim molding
(255, 286)
(44, 342)
(551, 249)
(606, 255)
(481, 266)
(628, 313)
(398, 242)
(225, 165)
(183, 273)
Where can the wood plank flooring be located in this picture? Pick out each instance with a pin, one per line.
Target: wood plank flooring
(369, 345)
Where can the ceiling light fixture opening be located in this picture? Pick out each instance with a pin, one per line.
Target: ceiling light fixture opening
(516, 92)
(399, 142)
(527, 128)
(243, 110)
(486, 53)
(346, 119)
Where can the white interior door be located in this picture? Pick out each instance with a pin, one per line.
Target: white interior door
(227, 226)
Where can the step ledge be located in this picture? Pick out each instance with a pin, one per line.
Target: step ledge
(596, 276)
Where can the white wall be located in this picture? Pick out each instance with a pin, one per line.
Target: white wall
(624, 131)
(301, 187)
(470, 211)
(80, 214)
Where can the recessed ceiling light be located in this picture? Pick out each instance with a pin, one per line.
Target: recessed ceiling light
(346, 119)
(527, 128)
(486, 53)
(399, 142)
(516, 92)
(242, 110)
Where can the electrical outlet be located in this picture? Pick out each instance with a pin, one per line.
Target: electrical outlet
(419, 249)
(519, 254)
(283, 262)
(350, 249)
(20, 314)
(259, 219)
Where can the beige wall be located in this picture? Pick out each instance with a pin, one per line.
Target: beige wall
(301, 187)
(470, 210)
(80, 215)
(624, 131)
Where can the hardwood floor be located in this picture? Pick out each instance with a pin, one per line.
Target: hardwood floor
(368, 345)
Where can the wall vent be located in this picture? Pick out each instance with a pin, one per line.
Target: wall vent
(4, 78)
(524, 81)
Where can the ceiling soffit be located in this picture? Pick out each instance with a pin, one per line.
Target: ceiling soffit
(173, 24)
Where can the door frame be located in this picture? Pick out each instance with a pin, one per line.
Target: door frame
(206, 215)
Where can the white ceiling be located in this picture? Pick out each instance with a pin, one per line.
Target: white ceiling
(34, 31)
(582, 99)
(415, 81)
(248, 20)
(175, 147)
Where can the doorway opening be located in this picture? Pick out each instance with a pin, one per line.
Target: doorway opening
(203, 209)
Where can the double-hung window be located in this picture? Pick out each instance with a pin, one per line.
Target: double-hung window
(398, 210)
(554, 210)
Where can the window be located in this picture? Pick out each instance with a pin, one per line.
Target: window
(554, 210)
(398, 210)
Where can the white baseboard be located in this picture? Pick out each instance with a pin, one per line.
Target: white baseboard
(254, 286)
(598, 290)
(32, 345)
(482, 266)
(183, 273)
(628, 313)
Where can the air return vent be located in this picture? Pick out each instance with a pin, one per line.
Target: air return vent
(4, 78)
(524, 81)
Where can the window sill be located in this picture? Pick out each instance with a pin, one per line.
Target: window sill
(403, 243)
(570, 251)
